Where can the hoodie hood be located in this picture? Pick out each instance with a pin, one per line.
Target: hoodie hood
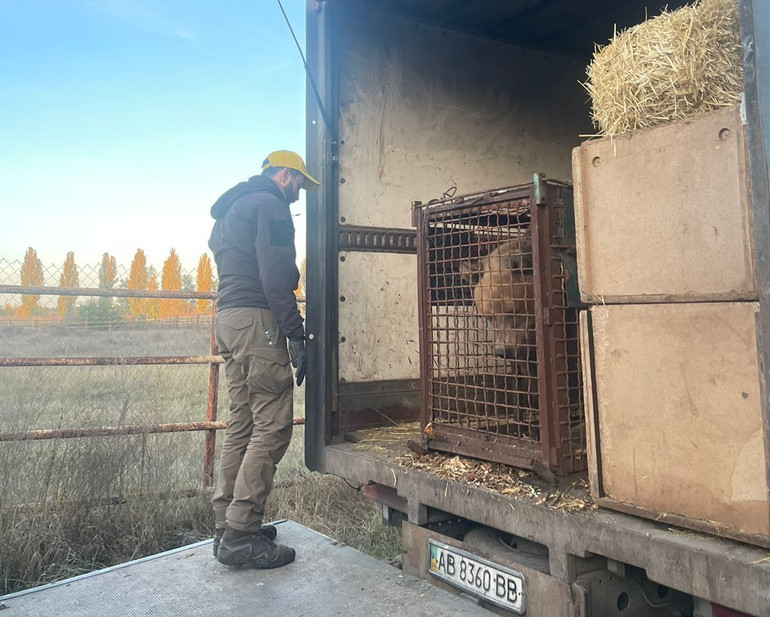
(254, 184)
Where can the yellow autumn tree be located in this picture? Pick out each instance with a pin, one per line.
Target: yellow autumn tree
(68, 278)
(171, 280)
(152, 305)
(137, 279)
(31, 276)
(205, 282)
(302, 285)
(108, 272)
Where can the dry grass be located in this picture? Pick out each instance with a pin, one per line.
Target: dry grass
(72, 506)
(328, 504)
(673, 66)
(332, 507)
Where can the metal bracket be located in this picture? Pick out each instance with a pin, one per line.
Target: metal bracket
(377, 239)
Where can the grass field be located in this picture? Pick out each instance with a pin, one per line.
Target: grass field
(73, 505)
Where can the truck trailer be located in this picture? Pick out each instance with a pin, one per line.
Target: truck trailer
(462, 115)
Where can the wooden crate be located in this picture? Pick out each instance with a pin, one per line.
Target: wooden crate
(674, 412)
(663, 214)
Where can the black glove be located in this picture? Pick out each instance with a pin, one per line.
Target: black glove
(298, 357)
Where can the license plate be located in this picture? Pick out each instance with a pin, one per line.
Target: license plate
(484, 579)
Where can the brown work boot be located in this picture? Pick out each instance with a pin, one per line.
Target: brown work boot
(252, 550)
(269, 531)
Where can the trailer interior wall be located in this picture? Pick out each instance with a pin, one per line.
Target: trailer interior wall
(423, 109)
(407, 100)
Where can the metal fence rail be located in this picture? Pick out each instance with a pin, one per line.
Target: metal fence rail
(110, 360)
(179, 427)
(106, 293)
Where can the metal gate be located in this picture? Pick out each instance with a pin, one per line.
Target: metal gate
(499, 352)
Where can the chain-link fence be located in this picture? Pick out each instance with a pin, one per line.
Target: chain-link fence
(35, 309)
(118, 361)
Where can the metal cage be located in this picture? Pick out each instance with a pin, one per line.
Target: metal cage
(499, 356)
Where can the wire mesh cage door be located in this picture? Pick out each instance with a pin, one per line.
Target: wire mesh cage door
(499, 355)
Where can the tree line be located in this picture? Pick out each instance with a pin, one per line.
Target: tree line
(141, 277)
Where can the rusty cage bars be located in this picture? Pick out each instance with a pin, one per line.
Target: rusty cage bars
(210, 425)
(499, 354)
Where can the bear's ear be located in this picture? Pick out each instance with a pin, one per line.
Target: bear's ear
(521, 254)
(469, 271)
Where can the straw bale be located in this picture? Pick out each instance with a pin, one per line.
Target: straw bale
(670, 67)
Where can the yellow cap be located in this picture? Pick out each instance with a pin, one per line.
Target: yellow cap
(292, 160)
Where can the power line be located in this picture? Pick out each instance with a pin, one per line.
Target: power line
(321, 107)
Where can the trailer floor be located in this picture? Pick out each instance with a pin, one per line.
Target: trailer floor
(561, 518)
(327, 578)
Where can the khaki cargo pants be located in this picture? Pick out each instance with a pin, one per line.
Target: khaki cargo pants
(260, 385)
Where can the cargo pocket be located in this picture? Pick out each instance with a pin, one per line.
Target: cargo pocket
(236, 321)
(233, 332)
(269, 371)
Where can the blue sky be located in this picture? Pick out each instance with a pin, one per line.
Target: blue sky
(122, 121)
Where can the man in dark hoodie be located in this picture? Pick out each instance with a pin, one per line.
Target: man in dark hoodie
(253, 246)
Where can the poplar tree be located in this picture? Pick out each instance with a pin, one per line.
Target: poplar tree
(302, 284)
(68, 278)
(102, 308)
(137, 279)
(171, 280)
(152, 305)
(108, 272)
(205, 282)
(31, 276)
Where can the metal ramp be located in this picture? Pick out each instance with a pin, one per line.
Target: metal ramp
(327, 578)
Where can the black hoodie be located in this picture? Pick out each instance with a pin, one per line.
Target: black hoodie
(253, 246)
